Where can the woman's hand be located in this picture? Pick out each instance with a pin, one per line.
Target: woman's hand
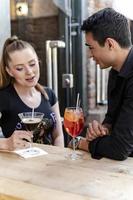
(95, 130)
(18, 140)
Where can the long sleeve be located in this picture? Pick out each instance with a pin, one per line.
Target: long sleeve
(119, 144)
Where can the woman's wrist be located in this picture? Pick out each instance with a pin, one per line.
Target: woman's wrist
(3, 144)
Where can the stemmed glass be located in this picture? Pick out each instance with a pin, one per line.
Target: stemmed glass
(73, 124)
(31, 120)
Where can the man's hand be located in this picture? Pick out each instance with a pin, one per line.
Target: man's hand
(95, 130)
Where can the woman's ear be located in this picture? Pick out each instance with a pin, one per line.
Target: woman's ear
(9, 71)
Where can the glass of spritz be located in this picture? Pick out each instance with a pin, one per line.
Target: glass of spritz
(73, 124)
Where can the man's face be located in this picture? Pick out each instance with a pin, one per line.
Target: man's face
(100, 54)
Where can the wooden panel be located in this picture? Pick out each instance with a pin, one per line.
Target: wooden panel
(54, 174)
(14, 189)
(8, 197)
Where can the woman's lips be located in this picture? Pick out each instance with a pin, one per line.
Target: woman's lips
(30, 79)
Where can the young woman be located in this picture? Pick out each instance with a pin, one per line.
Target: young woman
(20, 92)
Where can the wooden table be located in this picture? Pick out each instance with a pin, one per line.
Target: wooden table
(53, 177)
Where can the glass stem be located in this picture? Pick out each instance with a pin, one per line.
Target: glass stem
(30, 145)
(74, 152)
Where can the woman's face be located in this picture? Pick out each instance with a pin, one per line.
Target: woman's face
(24, 67)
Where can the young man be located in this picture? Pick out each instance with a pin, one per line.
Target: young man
(108, 37)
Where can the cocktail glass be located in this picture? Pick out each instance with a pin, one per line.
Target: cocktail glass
(31, 120)
(73, 124)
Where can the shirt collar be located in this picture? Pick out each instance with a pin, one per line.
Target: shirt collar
(127, 68)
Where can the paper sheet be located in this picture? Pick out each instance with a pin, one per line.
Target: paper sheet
(30, 152)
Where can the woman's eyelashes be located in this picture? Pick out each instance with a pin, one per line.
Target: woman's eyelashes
(20, 68)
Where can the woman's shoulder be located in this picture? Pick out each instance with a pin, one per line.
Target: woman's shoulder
(6, 90)
(51, 95)
(5, 96)
(48, 89)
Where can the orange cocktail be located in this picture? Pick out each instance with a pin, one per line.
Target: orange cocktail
(73, 121)
(73, 124)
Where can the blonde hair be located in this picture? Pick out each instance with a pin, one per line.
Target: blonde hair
(14, 44)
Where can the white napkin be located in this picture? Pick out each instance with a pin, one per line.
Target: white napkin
(30, 152)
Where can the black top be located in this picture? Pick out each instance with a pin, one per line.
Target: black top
(11, 105)
(119, 144)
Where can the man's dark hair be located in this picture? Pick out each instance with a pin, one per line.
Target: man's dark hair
(108, 23)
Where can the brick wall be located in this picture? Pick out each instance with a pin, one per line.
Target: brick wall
(37, 31)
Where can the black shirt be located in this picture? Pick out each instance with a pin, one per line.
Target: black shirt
(11, 105)
(119, 144)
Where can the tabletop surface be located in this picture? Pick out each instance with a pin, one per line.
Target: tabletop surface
(53, 176)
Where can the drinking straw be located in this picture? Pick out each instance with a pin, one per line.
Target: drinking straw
(32, 113)
(77, 102)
